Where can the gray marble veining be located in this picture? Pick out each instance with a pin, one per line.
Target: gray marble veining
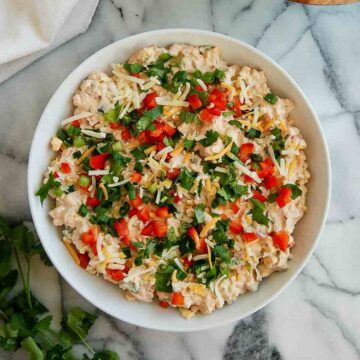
(318, 316)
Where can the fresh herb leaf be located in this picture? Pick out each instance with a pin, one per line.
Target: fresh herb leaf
(189, 144)
(295, 190)
(186, 179)
(210, 137)
(237, 124)
(138, 153)
(189, 118)
(163, 278)
(133, 68)
(220, 251)
(148, 117)
(113, 115)
(213, 77)
(44, 189)
(258, 212)
(253, 133)
(5, 257)
(199, 213)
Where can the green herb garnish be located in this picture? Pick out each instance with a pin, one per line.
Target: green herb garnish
(210, 137)
(271, 98)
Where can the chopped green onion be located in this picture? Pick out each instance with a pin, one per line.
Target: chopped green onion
(271, 98)
(118, 146)
(79, 141)
(84, 181)
(152, 189)
(83, 210)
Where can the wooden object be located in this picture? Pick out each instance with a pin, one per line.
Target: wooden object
(325, 2)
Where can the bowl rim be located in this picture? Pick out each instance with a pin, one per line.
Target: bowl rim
(196, 327)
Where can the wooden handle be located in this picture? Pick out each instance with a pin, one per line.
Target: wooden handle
(325, 2)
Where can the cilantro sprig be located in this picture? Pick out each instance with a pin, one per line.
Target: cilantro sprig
(24, 321)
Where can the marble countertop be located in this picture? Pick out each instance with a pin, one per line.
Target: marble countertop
(318, 316)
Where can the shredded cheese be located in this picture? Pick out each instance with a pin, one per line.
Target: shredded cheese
(167, 102)
(85, 155)
(247, 172)
(103, 188)
(128, 77)
(209, 226)
(179, 148)
(150, 149)
(98, 172)
(119, 183)
(75, 117)
(220, 154)
(94, 134)
(202, 84)
(72, 252)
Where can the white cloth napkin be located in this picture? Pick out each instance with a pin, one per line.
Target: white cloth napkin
(31, 28)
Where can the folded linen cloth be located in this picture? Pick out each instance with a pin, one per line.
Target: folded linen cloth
(31, 28)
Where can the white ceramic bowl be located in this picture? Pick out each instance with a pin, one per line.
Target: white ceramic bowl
(108, 297)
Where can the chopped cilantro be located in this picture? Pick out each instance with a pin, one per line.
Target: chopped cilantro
(258, 212)
(199, 213)
(163, 278)
(295, 191)
(148, 117)
(237, 124)
(253, 133)
(210, 137)
(186, 179)
(44, 189)
(189, 144)
(113, 114)
(213, 77)
(222, 252)
(133, 68)
(189, 118)
(138, 153)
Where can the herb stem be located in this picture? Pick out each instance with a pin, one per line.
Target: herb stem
(26, 288)
(4, 316)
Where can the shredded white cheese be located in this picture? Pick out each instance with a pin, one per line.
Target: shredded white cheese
(202, 84)
(168, 102)
(98, 135)
(128, 77)
(75, 117)
(98, 172)
(119, 183)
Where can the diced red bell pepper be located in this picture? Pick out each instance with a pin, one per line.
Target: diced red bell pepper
(177, 299)
(218, 98)
(235, 227)
(173, 174)
(92, 201)
(271, 181)
(116, 274)
(248, 179)
(56, 175)
(194, 101)
(160, 228)
(115, 126)
(132, 212)
(214, 111)
(65, 168)
(90, 237)
(97, 162)
(186, 261)
(84, 260)
(127, 242)
(249, 237)
(159, 129)
(144, 137)
(148, 229)
(136, 202)
(135, 177)
(176, 199)
(164, 304)
(200, 243)
(144, 214)
(149, 100)
(246, 149)
(236, 107)
(162, 212)
(266, 168)
(206, 116)
(93, 248)
(159, 146)
(169, 130)
(259, 196)
(75, 123)
(284, 197)
(280, 239)
(234, 207)
(121, 227)
(198, 88)
(125, 134)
